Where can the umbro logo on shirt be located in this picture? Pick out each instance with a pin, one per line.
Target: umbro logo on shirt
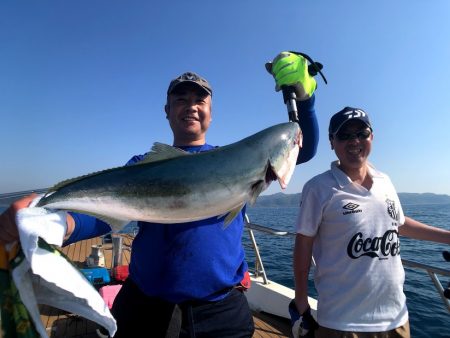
(351, 208)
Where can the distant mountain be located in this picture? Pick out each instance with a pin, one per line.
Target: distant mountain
(293, 200)
(8, 198)
(278, 200)
(425, 198)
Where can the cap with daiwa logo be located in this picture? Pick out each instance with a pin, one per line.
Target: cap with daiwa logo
(190, 77)
(345, 115)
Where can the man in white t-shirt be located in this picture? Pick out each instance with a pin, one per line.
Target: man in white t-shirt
(350, 220)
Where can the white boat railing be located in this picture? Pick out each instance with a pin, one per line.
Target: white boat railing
(259, 270)
(432, 271)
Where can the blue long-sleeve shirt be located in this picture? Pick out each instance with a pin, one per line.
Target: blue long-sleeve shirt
(310, 129)
(195, 260)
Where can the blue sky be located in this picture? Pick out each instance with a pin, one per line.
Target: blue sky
(83, 83)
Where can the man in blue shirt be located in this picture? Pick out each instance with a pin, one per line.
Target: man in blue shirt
(184, 277)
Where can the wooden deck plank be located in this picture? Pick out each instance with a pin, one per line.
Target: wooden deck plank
(267, 325)
(107, 252)
(69, 250)
(49, 316)
(78, 247)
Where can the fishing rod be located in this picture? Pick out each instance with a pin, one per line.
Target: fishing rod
(289, 92)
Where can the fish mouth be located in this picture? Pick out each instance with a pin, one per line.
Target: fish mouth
(270, 175)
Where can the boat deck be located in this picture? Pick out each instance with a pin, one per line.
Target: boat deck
(62, 324)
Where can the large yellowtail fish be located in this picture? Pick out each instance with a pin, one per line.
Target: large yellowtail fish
(173, 186)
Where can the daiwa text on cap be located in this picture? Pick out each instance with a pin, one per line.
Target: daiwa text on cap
(345, 115)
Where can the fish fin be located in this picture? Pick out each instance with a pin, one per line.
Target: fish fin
(161, 151)
(115, 224)
(75, 179)
(232, 215)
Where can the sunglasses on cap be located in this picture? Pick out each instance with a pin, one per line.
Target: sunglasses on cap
(361, 135)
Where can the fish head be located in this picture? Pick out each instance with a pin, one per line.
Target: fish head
(283, 154)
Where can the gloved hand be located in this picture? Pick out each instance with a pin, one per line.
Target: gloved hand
(302, 325)
(291, 70)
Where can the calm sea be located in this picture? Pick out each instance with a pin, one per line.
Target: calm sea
(428, 315)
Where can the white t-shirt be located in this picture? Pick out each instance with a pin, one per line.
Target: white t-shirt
(359, 274)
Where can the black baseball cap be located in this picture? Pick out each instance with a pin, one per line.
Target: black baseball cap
(190, 77)
(345, 115)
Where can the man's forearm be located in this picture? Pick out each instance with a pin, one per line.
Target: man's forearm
(310, 129)
(70, 226)
(417, 230)
(302, 263)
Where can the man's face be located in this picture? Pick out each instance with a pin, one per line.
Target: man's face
(352, 144)
(189, 113)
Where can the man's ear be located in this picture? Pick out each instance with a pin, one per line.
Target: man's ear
(330, 137)
(166, 109)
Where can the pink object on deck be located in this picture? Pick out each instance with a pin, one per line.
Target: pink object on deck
(109, 293)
